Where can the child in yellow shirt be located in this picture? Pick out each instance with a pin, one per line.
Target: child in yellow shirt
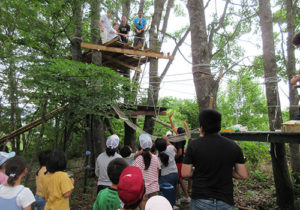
(56, 185)
(39, 200)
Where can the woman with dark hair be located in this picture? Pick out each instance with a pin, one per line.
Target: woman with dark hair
(56, 185)
(166, 154)
(149, 165)
(13, 195)
(124, 29)
(104, 159)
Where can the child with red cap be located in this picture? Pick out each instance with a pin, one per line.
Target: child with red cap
(131, 187)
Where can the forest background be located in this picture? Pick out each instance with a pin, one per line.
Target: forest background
(210, 41)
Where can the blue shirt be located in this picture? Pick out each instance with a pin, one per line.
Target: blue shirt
(140, 22)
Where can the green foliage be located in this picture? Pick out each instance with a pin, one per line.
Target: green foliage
(88, 89)
(255, 152)
(243, 102)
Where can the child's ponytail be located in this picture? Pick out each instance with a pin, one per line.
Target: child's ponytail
(14, 168)
(161, 146)
(147, 157)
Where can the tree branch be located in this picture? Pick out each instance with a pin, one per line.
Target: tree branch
(174, 53)
(220, 24)
(166, 18)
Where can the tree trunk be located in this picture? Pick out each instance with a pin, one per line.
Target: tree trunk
(293, 94)
(38, 142)
(283, 184)
(97, 129)
(204, 83)
(155, 44)
(126, 8)
(12, 101)
(77, 32)
(142, 4)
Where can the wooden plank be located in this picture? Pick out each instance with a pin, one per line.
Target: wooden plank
(260, 136)
(127, 44)
(113, 60)
(147, 113)
(148, 49)
(31, 125)
(124, 51)
(111, 41)
(138, 47)
(162, 122)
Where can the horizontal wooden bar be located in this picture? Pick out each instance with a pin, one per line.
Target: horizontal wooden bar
(124, 51)
(268, 136)
(147, 113)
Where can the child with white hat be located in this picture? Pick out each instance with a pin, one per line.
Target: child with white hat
(104, 159)
(149, 165)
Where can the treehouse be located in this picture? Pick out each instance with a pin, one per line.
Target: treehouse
(122, 56)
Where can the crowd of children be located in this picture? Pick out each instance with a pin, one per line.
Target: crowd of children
(53, 185)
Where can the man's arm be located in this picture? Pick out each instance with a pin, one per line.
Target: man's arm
(186, 170)
(187, 130)
(172, 124)
(101, 25)
(240, 171)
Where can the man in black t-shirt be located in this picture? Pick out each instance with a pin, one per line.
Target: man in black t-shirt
(216, 160)
(124, 29)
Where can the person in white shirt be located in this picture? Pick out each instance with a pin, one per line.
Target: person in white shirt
(105, 26)
(113, 32)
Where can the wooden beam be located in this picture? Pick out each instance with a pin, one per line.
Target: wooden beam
(148, 49)
(111, 41)
(147, 113)
(138, 47)
(162, 122)
(127, 44)
(124, 51)
(261, 136)
(31, 125)
(113, 60)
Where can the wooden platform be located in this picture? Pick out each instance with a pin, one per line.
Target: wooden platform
(121, 57)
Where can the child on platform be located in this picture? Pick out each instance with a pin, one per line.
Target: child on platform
(108, 198)
(40, 201)
(149, 165)
(4, 156)
(56, 185)
(13, 195)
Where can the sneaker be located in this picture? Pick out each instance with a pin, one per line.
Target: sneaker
(178, 202)
(176, 207)
(185, 200)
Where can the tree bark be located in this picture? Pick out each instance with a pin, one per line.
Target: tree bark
(155, 44)
(97, 129)
(38, 142)
(77, 32)
(126, 8)
(12, 101)
(142, 4)
(205, 85)
(283, 184)
(293, 94)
